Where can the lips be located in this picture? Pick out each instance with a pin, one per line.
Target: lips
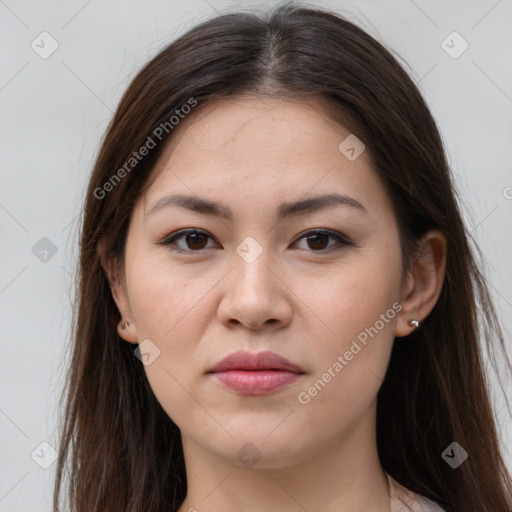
(255, 374)
(248, 361)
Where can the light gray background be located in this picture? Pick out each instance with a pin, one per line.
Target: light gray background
(54, 111)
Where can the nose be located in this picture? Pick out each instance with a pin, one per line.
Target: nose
(255, 295)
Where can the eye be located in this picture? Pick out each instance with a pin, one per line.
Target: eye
(316, 238)
(194, 237)
(195, 240)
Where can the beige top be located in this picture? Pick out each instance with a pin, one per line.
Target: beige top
(404, 500)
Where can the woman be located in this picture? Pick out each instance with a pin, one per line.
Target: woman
(278, 305)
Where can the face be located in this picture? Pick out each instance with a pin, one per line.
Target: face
(318, 285)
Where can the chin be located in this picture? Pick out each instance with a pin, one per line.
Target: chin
(256, 448)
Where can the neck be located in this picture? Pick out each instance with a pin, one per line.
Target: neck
(338, 476)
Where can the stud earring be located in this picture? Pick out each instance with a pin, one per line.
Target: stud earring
(414, 323)
(125, 325)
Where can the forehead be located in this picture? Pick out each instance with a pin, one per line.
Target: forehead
(260, 145)
(271, 125)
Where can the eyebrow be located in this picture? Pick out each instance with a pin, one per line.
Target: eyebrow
(290, 209)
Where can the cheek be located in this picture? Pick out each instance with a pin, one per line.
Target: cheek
(358, 309)
(167, 309)
(171, 307)
(167, 301)
(355, 296)
(350, 369)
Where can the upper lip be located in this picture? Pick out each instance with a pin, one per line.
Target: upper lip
(266, 360)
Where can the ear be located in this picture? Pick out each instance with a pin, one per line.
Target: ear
(424, 282)
(119, 293)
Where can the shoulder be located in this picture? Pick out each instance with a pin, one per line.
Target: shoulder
(404, 500)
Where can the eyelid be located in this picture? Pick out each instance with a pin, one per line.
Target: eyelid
(342, 240)
(169, 239)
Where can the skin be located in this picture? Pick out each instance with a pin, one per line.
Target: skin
(304, 300)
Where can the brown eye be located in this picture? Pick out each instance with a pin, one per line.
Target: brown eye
(194, 240)
(318, 240)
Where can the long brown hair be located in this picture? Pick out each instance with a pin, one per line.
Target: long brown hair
(123, 452)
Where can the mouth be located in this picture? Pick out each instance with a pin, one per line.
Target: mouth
(256, 374)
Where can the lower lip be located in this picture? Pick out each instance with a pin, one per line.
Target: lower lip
(256, 382)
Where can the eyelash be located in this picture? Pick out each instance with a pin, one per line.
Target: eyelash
(171, 239)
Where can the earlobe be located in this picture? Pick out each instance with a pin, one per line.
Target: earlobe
(424, 283)
(127, 331)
